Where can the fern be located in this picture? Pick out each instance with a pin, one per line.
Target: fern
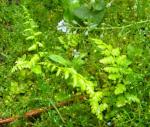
(116, 66)
(79, 81)
(31, 34)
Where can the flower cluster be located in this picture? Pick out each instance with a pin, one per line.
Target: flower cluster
(62, 26)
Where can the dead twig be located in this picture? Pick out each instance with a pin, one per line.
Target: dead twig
(37, 112)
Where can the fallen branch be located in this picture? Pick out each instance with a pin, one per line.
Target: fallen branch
(37, 112)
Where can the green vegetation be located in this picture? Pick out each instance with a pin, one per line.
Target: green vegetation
(96, 52)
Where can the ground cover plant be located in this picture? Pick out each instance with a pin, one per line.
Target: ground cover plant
(75, 63)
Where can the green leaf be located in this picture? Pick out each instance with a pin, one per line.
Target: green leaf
(30, 38)
(14, 89)
(114, 76)
(74, 4)
(42, 54)
(34, 59)
(99, 43)
(103, 107)
(59, 59)
(121, 60)
(106, 52)
(97, 96)
(58, 72)
(77, 10)
(132, 98)
(28, 30)
(69, 7)
(82, 84)
(82, 12)
(53, 68)
(66, 74)
(71, 4)
(121, 101)
(37, 33)
(27, 22)
(111, 69)
(100, 116)
(116, 52)
(120, 88)
(74, 80)
(107, 60)
(40, 44)
(34, 26)
(86, 14)
(36, 69)
(33, 47)
(99, 5)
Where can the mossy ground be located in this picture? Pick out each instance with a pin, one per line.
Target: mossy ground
(123, 28)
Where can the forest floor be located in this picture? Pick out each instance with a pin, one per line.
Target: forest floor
(126, 25)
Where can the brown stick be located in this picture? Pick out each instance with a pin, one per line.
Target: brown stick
(37, 112)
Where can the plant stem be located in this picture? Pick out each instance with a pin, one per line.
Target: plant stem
(109, 28)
